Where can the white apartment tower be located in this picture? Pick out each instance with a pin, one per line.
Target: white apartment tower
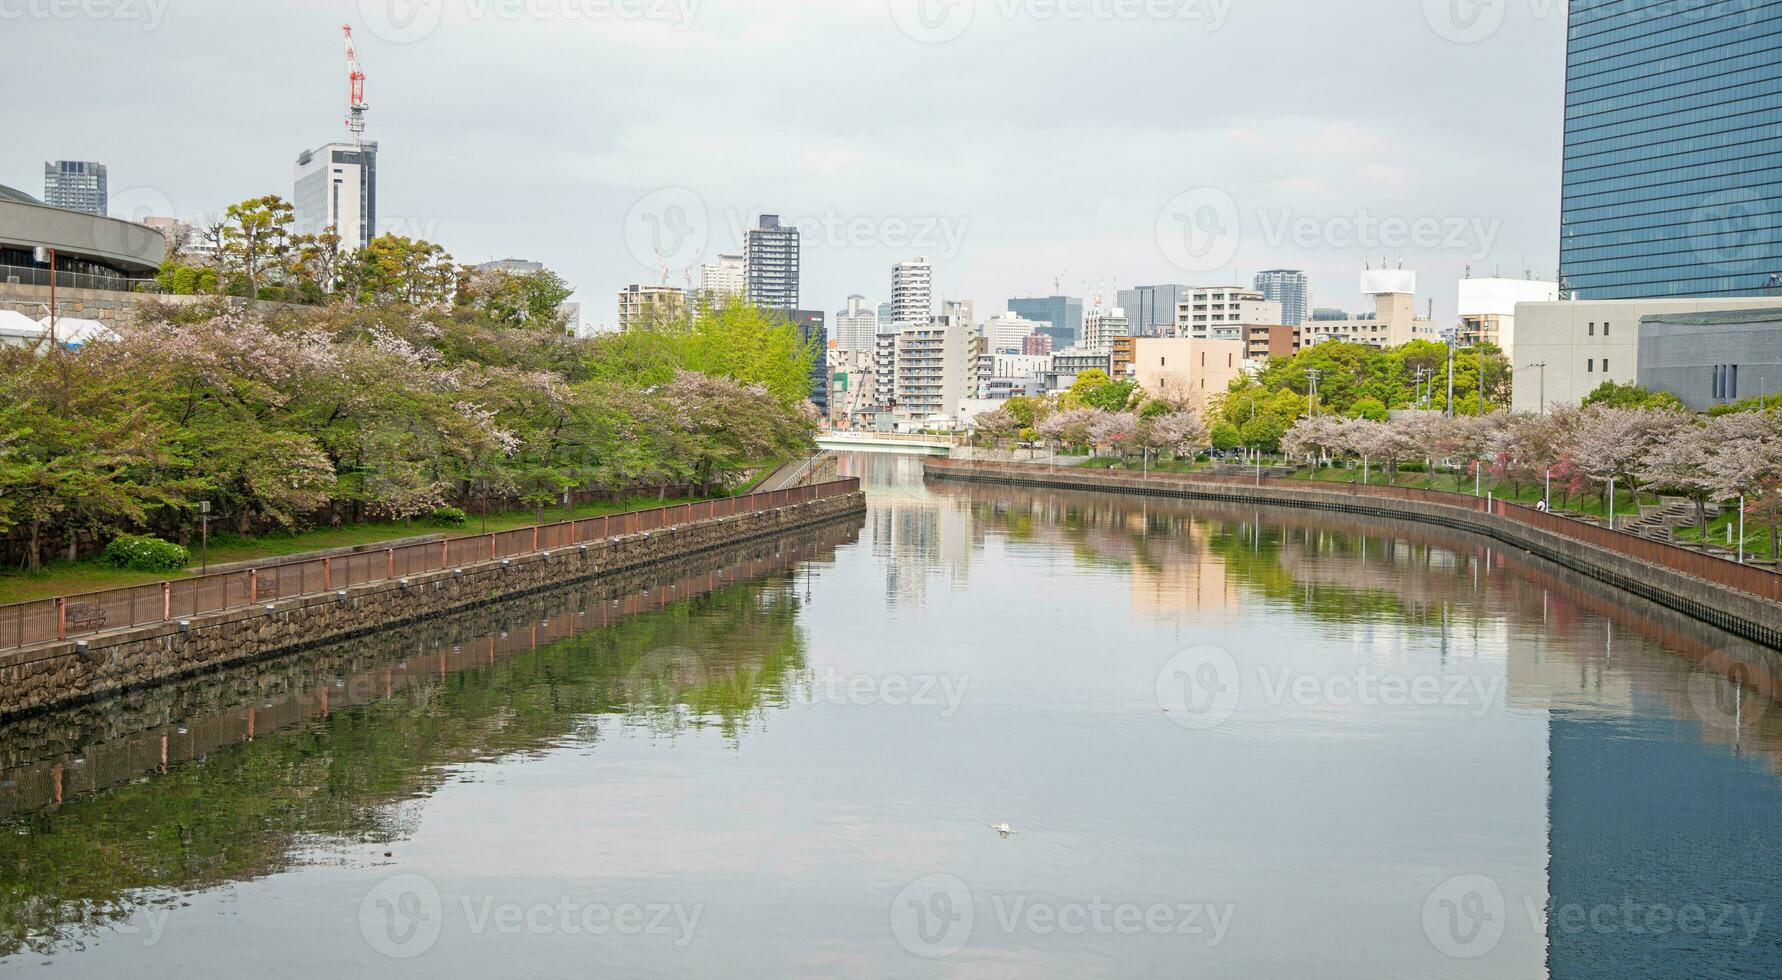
(857, 327)
(725, 277)
(1100, 327)
(1221, 312)
(912, 292)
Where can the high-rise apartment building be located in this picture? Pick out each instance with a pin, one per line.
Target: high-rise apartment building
(1062, 316)
(1100, 327)
(77, 185)
(936, 367)
(1220, 312)
(336, 187)
(1671, 177)
(770, 260)
(912, 292)
(1288, 288)
(649, 305)
(856, 327)
(725, 277)
(1151, 310)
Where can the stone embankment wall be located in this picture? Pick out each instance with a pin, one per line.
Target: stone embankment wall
(1740, 613)
(70, 672)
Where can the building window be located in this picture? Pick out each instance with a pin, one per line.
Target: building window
(1605, 365)
(1593, 328)
(1605, 328)
(1590, 366)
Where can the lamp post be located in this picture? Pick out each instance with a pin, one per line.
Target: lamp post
(44, 254)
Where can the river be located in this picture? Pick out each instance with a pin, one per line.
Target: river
(1227, 742)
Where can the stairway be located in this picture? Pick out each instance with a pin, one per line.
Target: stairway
(1660, 521)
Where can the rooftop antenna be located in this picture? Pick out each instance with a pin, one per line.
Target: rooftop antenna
(356, 104)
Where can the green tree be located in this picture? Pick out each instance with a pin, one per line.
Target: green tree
(257, 244)
(1615, 395)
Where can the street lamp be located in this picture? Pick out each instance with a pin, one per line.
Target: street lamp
(44, 254)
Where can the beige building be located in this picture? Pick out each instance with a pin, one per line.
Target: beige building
(1567, 349)
(936, 366)
(1394, 321)
(1220, 312)
(1186, 369)
(639, 303)
(1488, 309)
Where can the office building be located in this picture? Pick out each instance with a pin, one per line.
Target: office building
(1220, 312)
(1062, 316)
(1007, 333)
(76, 185)
(650, 305)
(1488, 310)
(518, 267)
(856, 327)
(1289, 288)
(1263, 341)
(1393, 322)
(1036, 343)
(770, 264)
(1710, 359)
(912, 292)
(335, 187)
(1671, 175)
(1151, 310)
(813, 331)
(1565, 350)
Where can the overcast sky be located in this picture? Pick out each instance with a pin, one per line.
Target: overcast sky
(1013, 141)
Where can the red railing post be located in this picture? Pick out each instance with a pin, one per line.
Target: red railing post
(491, 547)
(535, 537)
(327, 574)
(389, 563)
(253, 586)
(166, 601)
(61, 618)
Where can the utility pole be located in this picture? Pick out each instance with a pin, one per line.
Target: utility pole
(1448, 409)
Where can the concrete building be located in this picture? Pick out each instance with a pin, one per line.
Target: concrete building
(856, 327)
(1100, 327)
(1288, 287)
(1036, 343)
(1263, 341)
(726, 277)
(1187, 370)
(936, 367)
(1220, 312)
(960, 310)
(1062, 316)
(1151, 310)
(851, 403)
(1568, 349)
(1329, 313)
(335, 186)
(76, 185)
(1394, 321)
(1009, 333)
(912, 292)
(1670, 177)
(92, 252)
(1488, 309)
(771, 264)
(1122, 355)
(648, 305)
(1710, 359)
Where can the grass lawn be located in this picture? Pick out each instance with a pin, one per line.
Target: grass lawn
(72, 578)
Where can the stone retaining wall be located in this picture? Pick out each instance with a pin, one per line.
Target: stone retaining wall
(70, 672)
(1739, 613)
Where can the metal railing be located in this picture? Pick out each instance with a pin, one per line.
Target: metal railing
(1751, 579)
(47, 620)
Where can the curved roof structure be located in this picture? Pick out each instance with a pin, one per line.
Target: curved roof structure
(9, 194)
(125, 245)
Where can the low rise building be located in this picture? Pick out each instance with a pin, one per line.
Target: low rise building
(1710, 359)
(1219, 312)
(1187, 370)
(1263, 341)
(1566, 349)
(642, 305)
(1394, 321)
(1488, 309)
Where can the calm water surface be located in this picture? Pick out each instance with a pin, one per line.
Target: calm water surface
(1230, 742)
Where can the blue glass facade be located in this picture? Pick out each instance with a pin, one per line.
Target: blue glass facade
(1063, 316)
(1673, 148)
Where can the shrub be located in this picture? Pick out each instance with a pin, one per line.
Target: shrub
(448, 517)
(144, 554)
(1415, 466)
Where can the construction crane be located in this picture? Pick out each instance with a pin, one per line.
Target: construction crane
(356, 104)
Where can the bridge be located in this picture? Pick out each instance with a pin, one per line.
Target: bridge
(905, 443)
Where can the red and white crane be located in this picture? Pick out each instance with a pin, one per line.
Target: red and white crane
(356, 104)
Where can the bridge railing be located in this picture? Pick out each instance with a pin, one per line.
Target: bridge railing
(45, 620)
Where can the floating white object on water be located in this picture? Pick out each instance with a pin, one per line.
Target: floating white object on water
(1004, 829)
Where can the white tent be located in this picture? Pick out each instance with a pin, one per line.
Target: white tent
(73, 332)
(19, 330)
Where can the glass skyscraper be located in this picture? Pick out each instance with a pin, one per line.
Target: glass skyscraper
(1288, 288)
(1673, 149)
(1062, 316)
(1151, 310)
